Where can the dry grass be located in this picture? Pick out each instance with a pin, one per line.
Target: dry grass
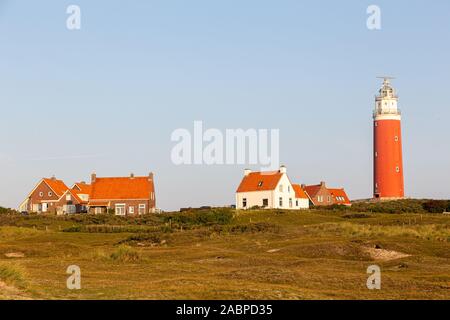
(256, 255)
(437, 232)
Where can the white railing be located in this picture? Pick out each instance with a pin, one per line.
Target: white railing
(394, 111)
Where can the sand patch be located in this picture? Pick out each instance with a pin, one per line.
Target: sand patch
(384, 255)
(15, 255)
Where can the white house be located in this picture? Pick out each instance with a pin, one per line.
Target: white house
(271, 190)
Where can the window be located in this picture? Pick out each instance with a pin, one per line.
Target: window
(50, 193)
(281, 188)
(41, 194)
(296, 203)
(142, 208)
(290, 202)
(289, 188)
(131, 210)
(376, 124)
(376, 154)
(260, 184)
(396, 138)
(68, 197)
(319, 198)
(281, 202)
(265, 202)
(98, 210)
(329, 199)
(120, 209)
(397, 169)
(244, 202)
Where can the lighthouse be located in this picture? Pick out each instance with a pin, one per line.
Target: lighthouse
(387, 145)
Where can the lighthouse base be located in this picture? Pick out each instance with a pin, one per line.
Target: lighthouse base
(381, 199)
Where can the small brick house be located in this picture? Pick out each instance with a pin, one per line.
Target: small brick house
(123, 195)
(44, 197)
(320, 195)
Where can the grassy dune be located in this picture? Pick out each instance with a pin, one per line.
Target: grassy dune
(227, 255)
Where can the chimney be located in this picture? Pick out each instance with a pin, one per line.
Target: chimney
(247, 172)
(150, 176)
(303, 186)
(93, 177)
(53, 177)
(322, 183)
(132, 175)
(283, 169)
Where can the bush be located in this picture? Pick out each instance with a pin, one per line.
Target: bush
(7, 211)
(12, 275)
(355, 216)
(125, 254)
(254, 228)
(436, 206)
(199, 217)
(397, 206)
(151, 239)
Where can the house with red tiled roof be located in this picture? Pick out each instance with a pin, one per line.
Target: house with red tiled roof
(270, 190)
(321, 195)
(122, 195)
(130, 195)
(44, 196)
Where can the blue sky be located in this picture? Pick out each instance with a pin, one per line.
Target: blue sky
(106, 98)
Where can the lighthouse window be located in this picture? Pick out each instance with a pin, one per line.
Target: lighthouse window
(376, 154)
(376, 124)
(396, 138)
(397, 169)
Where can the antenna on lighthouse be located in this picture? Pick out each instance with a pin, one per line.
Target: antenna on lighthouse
(386, 78)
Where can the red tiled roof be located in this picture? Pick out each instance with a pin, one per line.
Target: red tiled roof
(340, 196)
(84, 188)
(299, 192)
(257, 181)
(312, 190)
(121, 188)
(58, 186)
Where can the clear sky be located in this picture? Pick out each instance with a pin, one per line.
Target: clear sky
(106, 98)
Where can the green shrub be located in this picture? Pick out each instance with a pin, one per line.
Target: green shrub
(125, 254)
(7, 211)
(355, 216)
(151, 239)
(436, 206)
(199, 217)
(12, 275)
(254, 228)
(397, 206)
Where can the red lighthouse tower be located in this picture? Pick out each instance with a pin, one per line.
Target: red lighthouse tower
(387, 143)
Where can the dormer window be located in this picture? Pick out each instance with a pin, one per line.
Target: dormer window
(260, 184)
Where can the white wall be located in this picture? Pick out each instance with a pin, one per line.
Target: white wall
(255, 198)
